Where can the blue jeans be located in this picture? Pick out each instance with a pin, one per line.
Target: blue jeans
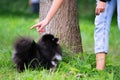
(102, 23)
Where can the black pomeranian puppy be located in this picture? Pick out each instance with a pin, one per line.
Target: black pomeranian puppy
(29, 54)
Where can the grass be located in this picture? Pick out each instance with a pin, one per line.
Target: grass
(15, 21)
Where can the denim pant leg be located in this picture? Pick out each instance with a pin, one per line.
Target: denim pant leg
(102, 27)
(118, 13)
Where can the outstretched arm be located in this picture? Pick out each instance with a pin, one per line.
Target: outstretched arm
(54, 8)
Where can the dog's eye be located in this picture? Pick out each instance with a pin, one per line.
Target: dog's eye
(53, 39)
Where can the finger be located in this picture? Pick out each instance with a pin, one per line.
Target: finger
(40, 28)
(34, 26)
(102, 10)
(97, 11)
(41, 31)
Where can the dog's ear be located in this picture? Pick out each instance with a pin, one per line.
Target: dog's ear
(47, 37)
(55, 40)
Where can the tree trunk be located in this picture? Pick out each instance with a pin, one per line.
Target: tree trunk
(65, 24)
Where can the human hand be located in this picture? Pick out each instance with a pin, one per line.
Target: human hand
(100, 7)
(40, 26)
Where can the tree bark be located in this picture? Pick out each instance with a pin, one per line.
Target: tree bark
(65, 24)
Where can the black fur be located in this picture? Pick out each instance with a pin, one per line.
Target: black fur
(29, 54)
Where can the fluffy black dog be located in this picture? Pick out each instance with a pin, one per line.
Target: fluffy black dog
(29, 54)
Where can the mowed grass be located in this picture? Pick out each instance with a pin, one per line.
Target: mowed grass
(16, 22)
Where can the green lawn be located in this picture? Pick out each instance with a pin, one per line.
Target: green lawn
(15, 22)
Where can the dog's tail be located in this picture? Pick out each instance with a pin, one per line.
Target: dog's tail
(23, 44)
